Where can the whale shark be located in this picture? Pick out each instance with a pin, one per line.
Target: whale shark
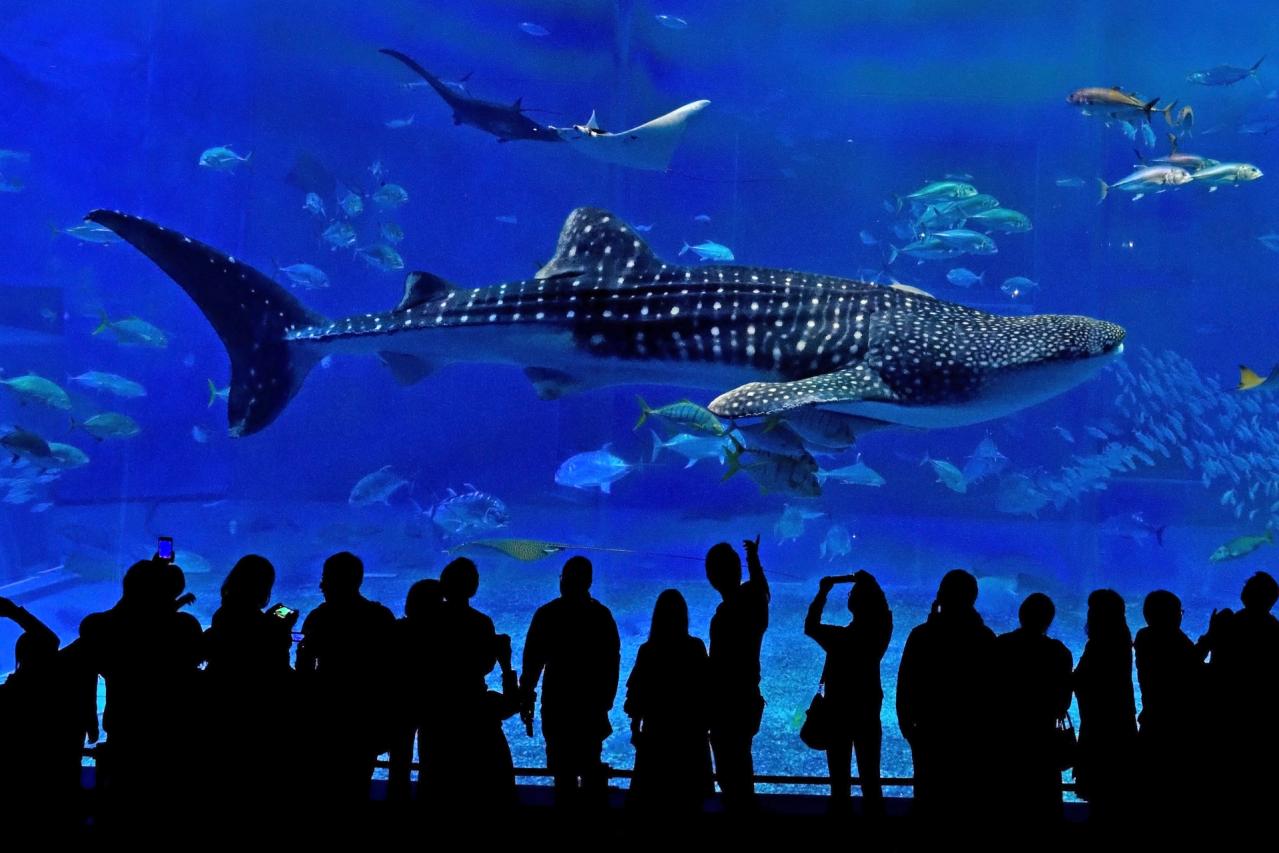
(505, 121)
(605, 311)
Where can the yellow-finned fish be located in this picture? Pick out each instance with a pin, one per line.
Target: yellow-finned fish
(1250, 380)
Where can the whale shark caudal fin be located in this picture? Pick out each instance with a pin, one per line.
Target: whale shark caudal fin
(759, 399)
(250, 313)
(595, 242)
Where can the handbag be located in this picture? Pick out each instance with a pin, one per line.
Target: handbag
(815, 733)
(1064, 743)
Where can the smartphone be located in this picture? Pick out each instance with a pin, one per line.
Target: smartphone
(164, 549)
(282, 612)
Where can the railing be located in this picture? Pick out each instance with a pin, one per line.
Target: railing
(760, 778)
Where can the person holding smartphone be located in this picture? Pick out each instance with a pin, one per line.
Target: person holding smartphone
(249, 689)
(854, 693)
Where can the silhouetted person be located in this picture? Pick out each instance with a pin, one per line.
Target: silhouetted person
(854, 694)
(1105, 762)
(459, 736)
(343, 664)
(1244, 686)
(249, 695)
(417, 650)
(148, 653)
(1032, 692)
(1171, 673)
(737, 632)
(46, 709)
(943, 700)
(574, 639)
(496, 789)
(666, 699)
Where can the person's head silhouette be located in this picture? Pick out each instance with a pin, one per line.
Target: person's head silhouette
(1260, 592)
(342, 576)
(424, 600)
(866, 599)
(957, 592)
(34, 650)
(576, 577)
(460, 580)
(1106, 618)
(670, 617)
(249, 583)
(1036, 613)
(1162, 610)
(723, 568)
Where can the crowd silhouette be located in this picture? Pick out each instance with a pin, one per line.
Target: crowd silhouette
(986, 717)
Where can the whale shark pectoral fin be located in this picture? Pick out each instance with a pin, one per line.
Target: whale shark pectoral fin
(594, 241)
(406, 369)
(758, 399)
(549, 383)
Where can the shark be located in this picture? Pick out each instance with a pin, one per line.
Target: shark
(605, 310)
(505, 121)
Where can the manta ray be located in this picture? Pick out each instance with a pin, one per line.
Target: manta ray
(606, 311)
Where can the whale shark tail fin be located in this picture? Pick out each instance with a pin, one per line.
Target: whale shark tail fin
(250, 313)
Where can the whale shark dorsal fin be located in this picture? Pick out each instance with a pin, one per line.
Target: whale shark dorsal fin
(421, 287)
(760, 399)
(594, 241)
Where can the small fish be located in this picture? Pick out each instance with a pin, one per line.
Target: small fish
(43, 506)
(132, 331)
(1148, 135)
(339, 235)
(508, 219)
(1270, 241)
(1224, 174)
(1146, 179)
(188, 360)
(24, 444)
(837, 543)
(671, 22)
(535, 30)
(67, 456)
(469, 512)
(1242, 546)
(704, 218)
(1018, 495)
(1096, 433)
(1070, 183)
(948, 475)
(376, 169)
(108, 425)
(216, 393)
(596, 469)
(821, 430)
(1250, 380)
(967, 240)
(391, 232)
(939, 191)
(400, 123)
(111, 383)
(1129, 130)
(381, 256)
(1133, 526)
(314, 205)
(964, 277)
(390, 196)
(1002, 219)
(326, 362)
(376, 488)
(867, 238)
(775, 472)
(986, 461)
(31, 388)
(1224, 75)
(791, 525)
(199, 434)
(1065, 434)
(709, 251)
(352, 205)
(305, 276)
(222, 159)
(643, 229)
(930, 249)
(685, 414)
(90, 232)
(857, 474)
(1018, 286)
(692, 447)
